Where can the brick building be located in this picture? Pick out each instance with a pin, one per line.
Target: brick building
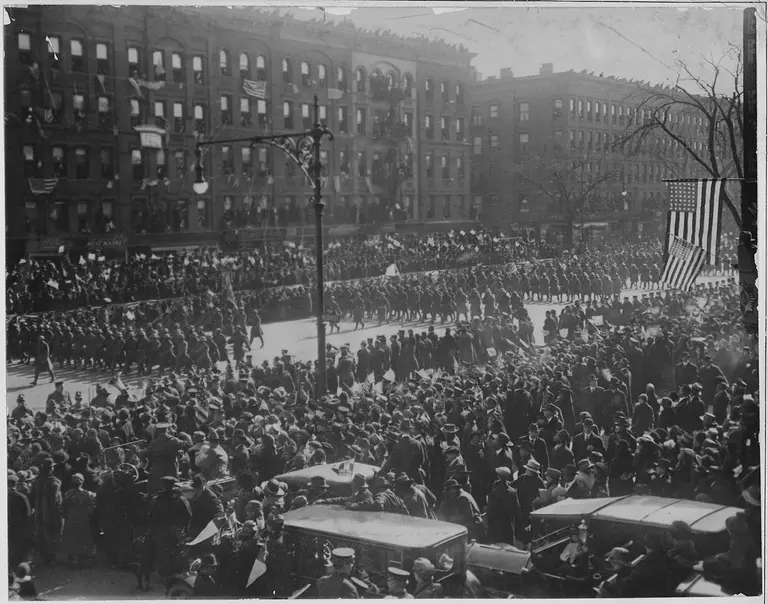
(80, 79)
(554, 119)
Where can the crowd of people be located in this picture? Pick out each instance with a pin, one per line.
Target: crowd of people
(273, 272)
(478, 425)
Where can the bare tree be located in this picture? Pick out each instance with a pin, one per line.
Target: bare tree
(572, 185)
(693, 128)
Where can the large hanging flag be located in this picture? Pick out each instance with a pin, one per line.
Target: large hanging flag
(256, 89)
(684, 261)
(694, 214)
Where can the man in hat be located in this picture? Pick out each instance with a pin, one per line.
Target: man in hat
(661, 481)
(537, 445)
(213, 459)
(21, 410)
(361, 494)
(46, 501)
(591, 397)
(43, 360)
(459, 507)
(163, 456)
(685, 371)
(587, 440)
(337, 584)
(58, 400)
(397, 582)
(424, 573)
(414, 498)
(205, 506)
(502, 512)
(528, 486)
(318, 489)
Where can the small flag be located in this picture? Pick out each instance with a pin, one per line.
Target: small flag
(683, 265)
(42, 186)
(425, 374)
(100, 79)
(369, 382)
(91, 256)
(53, 284)
(334, 94)
(61, 249)
(392, 270)
(491, 352)
(255, 89)
(257, 570)
(597, 320)
(389, 376)
(456, 366)
(82, 261)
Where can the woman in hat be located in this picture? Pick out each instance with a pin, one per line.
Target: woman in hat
(77, 537)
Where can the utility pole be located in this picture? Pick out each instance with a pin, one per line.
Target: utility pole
(748, 238)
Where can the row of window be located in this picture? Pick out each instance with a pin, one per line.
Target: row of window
(595, 141)
(310, 76)
(445, 128)
(590, 111)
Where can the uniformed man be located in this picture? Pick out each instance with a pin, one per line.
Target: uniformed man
(397, 580)
(337, 584)
(163, 455)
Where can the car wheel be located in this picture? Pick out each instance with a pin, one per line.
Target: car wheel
(180, 591)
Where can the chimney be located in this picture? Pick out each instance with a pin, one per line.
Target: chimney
(547, 69)
(506, 73)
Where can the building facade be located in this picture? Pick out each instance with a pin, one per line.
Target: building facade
(529, 131)
(104, 106)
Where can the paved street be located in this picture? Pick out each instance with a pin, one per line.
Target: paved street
(298, 337)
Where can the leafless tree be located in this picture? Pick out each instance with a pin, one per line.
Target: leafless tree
(572, 185)
(694, 128)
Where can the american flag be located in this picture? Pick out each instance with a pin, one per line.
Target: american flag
(42, 186)
(694, 214)
(370, 381)
(255, 89)
(683, 264)
(425, 374)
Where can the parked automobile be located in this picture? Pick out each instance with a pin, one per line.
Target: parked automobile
(605, 523)
(380, 540)
(337, 475)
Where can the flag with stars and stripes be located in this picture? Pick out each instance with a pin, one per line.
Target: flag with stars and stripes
(42, 186)
(425, 374)
(695, 208)
(369, 382)
(683, 264)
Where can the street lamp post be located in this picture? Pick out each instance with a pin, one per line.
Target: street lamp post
(303, 148)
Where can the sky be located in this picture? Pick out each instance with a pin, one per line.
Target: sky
(643, 43)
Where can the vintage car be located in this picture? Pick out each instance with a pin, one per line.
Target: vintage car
(605, 523)
(380, 540)
(337, 475)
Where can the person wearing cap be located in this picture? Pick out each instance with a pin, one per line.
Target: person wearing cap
(205, 505)
(337, 584)
(58, 400)
(162, 455)
(502, 512)
(536, 445)
(77, 537)
(21, 410)
(661, 481)
(397, 582)
(615, 402)
(424, 575)
(277, 582)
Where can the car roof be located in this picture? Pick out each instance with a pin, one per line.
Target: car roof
(383, 528)
(701, 516)
(502, 557)
(298, 478)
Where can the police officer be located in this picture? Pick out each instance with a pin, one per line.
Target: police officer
(338, 583)
(397, 580)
